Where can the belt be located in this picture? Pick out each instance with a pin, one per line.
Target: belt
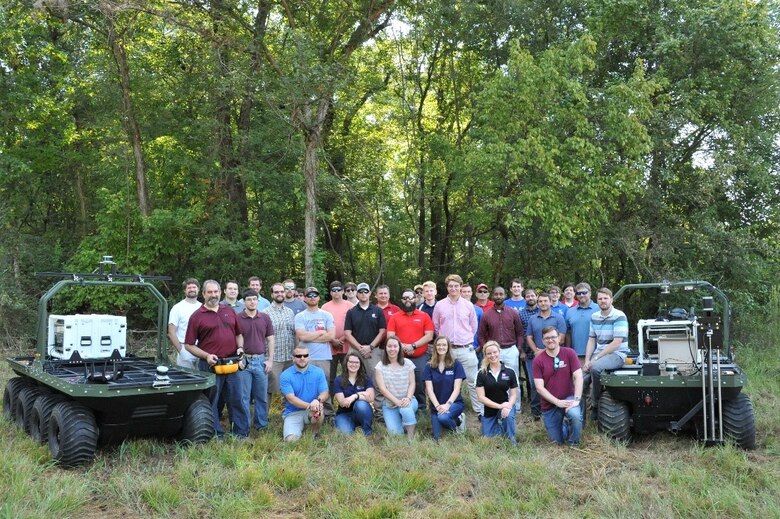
(250, 355)
(456, 346)
(507, 346)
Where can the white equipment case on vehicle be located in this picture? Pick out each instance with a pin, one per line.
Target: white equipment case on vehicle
(93, 336)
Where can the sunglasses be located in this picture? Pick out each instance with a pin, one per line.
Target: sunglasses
(362, 291)
(336, 289)
(312, 296)
(581, 292)
(482, 291)
(306, 356)
(407, 298)
(349, 290)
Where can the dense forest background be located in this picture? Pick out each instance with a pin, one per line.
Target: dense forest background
(390, 141)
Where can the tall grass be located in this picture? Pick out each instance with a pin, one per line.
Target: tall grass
(385, 477)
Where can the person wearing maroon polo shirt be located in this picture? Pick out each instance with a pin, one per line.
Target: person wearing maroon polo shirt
(502, 324)
(383, 302)
(215, 330)
(415, 331)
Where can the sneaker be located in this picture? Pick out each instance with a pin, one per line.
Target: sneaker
(461, 428)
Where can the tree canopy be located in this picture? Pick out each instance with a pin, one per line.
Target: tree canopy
(391, 141)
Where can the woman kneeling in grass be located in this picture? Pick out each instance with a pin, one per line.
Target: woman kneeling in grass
(354, 393)
(497, 390)
(395, 380)
(443, 377)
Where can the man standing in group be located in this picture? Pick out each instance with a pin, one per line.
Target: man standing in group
(503, 325)
(339, 346)
(291, 300)
(350, 293)
(231, 297)
(429, 298)
(283, 321)
(607, 345)
(384, 304)
(314, 329)
(256, 284)
(178, 320)
(555, 301)
(467, 293)
(526, 312)
(415, 331)
(365, 327)
(418, 296)
(558, 380)
(305, 391)
(578, 320)
(213, 333)
(533, 338)
(483, 297)
(517, 301)
(456, 318)
(258, 331)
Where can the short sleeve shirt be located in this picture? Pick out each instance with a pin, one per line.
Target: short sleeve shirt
(443, 382)
(306, 385)
(342, 385)
(496, 388)
(557, 381)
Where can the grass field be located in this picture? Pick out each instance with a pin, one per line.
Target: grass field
(462, 476)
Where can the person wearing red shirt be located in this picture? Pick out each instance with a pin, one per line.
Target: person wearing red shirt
(383, 302)
(483, 297)
(414, 329)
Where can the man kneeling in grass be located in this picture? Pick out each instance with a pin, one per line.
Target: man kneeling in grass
(305, 388)
(558, 380)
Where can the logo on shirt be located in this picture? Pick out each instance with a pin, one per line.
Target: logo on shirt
(319, 325)
(504, 376)
(449, 372)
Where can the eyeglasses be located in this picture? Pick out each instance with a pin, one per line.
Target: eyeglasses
(349, 290)
(550, 338)
(556, 363)
(362, 291)
(301, 356)
(581, 292)
(353, 362)
(337, 289)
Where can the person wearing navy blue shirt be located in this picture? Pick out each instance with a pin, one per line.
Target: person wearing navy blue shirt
(443, 378)
(354, 392)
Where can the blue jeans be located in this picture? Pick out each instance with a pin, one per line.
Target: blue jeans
(533, 396)
(361, 414)
(231, 388)
(497, 426)
(255, 387)
(564, 425)
(397, 417)
(445, 420)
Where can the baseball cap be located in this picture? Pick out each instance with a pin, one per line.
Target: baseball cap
(363, 286)
(310, 290)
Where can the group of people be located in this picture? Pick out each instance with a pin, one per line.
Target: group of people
(353, 360)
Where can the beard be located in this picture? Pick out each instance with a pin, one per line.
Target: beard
(408, 306)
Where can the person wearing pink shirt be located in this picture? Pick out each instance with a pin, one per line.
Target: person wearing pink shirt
(455, 318)
(338, 308)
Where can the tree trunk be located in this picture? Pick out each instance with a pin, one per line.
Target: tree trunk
(312, 137)
(131, 123)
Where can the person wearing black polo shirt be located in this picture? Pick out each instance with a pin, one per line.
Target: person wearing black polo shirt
(364, 328)
(503, 325)
(497, 391)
